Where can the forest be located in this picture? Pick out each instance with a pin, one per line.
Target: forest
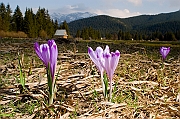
(29, 25)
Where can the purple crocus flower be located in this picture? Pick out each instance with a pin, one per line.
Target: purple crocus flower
(96, 56)
(164, 51)
(110, 63)
(48, 54)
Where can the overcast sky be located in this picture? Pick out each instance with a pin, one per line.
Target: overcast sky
(115, 8)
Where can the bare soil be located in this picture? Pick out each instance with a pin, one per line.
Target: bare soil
(144, 88)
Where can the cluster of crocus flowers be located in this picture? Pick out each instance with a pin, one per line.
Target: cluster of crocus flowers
(96, 56)
(48, 54)
(164, 52)
(105, 60)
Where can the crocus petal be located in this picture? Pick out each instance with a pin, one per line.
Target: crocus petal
(38, 51)
(106, 50)
(115, 60)
(92, 55)
(99, 52)
(96, 56)
(45, 53)
(164, 51)
(107, 67)
(111, 62)
(53, 56)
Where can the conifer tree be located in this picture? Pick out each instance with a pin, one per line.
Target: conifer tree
(44, 23)
(1, 22)
(3, 16)
(64, 25)
(17, 20)
(120, 35)
(49, 25)
(8, 17)
(128, 36)
(78, 34)
(39, 20)
(55, 25)
(29, 26)
(98, 35)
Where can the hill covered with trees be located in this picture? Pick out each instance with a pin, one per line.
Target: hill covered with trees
(165, 26)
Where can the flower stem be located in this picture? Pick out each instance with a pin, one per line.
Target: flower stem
(110, 92)
(103, 85)
(51, 97)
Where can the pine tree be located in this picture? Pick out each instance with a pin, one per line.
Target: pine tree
(55, 25)
(29, 26)
(64, 25)
(5, 13)
(169, 36)
(3, 16)
(140, 36)
(1, 23)
(128, 36)
(120, 35)
(84, 34)
(177, 35)
(8, 17)
(39, 20)
(17, 20)
(44, 23)
(49, 25)
(136, 37)
(98, 35)
(78, 34)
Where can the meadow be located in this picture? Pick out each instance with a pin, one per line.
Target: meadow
(144, 87)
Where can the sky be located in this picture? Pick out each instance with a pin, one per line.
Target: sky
(114, 8)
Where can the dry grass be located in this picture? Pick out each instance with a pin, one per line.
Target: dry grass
(143, 89)
(13, 34)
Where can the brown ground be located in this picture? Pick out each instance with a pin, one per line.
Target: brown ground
(143, 89)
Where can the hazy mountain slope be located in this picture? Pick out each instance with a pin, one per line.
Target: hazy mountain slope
(161, 22)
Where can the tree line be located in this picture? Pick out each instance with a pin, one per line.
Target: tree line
(90, 33)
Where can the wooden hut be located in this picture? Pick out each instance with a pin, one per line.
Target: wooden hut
(61, 33)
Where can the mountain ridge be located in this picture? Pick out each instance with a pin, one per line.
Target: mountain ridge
(141, 23)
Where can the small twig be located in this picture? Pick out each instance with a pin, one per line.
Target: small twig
(78, 90)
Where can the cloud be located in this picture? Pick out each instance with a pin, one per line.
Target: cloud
(174, 3)
(71, 9)
(114, 12)
(135, 2)
(171, 3)
(117, 13)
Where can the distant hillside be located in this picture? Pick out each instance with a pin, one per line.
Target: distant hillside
(102, 23)
(161, 22)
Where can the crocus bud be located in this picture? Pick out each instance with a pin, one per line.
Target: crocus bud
(164, 51)
(48, 54)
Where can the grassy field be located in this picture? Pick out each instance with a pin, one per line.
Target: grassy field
(150, 48)
(144, 86)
